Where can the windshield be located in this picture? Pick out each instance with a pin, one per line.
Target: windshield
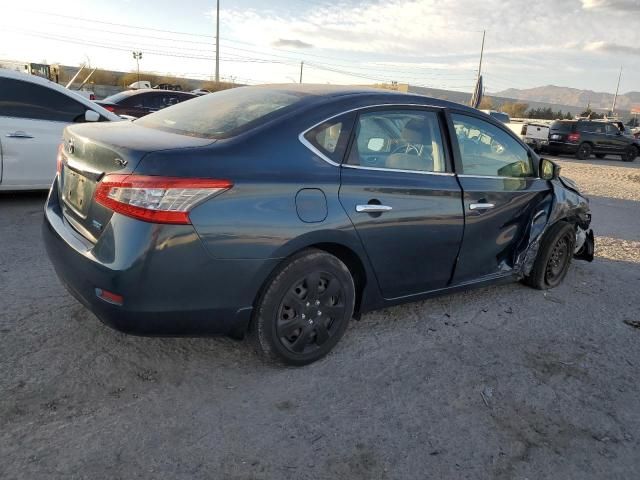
(222, 114)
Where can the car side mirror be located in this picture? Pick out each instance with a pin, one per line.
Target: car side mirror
(548, 169)
(91, 116)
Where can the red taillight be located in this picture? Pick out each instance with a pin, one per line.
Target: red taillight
(92, 96)
(157, 199)
(110, 108)
(59, 158)
(573, 137)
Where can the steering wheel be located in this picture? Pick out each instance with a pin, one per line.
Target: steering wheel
(497, 147)
(407, 148)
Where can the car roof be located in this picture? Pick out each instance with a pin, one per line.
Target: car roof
(328, 93)
(136, 91)
(26, 77)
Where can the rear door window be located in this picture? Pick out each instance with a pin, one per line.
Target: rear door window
(28, 100)
(408, 140)
(612, 129)
(563, 127)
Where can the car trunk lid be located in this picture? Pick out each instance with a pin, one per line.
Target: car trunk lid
(91, 151)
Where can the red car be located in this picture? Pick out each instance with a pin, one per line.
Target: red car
(138, 103)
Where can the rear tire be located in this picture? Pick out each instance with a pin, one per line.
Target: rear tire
(630, 154)
(304, 310)
(584, 151)
(554, 257)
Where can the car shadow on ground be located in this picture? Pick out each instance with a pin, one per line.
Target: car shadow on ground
(502, 381)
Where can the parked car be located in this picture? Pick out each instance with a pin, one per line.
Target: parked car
(200, 91)
(585, 137)
(169, 86)
(33, 113)
(138, 103)
(140, 84)
(88, 94)
(284, 211)
(535, 134)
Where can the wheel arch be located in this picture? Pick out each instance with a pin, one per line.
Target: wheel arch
(346, 253)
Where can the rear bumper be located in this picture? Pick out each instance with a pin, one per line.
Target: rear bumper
(170, 284)
(562, 147)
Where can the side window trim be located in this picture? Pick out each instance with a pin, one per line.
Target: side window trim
(434, 108)
(442, 125)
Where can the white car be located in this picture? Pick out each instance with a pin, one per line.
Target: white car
(33, 113)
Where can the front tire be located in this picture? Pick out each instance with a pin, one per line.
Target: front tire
(630, 154)
(584, 151)
(304, 310)
(554, 257)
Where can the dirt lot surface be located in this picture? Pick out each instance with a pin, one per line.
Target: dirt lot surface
(503, 382)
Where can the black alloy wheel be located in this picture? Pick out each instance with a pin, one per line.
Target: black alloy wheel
(584, 151)
(310, 312)
(630, 154)
(305, 308)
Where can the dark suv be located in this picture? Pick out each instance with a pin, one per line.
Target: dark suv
(584, 137)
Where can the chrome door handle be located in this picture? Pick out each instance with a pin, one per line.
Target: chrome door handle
(481, 206)
(373, 208)
(19, 134)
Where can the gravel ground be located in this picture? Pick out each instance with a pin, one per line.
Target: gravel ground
(503, 382)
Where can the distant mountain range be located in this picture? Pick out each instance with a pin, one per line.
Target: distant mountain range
(572, 96)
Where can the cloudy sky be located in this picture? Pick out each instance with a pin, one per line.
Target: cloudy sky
(435, 43)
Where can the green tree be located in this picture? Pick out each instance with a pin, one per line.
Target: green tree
(486, 103)
(515, 109)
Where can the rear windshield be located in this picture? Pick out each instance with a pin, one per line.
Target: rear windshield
(222, 114)
(563, 126)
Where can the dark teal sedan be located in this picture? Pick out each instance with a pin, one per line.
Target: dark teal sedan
(282, 212)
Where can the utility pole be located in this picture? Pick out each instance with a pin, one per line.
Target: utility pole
(484, 32)
(301, 65)
(138, 57)
(217, 41)
(615, 97)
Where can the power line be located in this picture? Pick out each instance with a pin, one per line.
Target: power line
(136, 27)
(235, 58)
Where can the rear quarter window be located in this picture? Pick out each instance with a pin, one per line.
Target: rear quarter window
(223, 114)
(563, 127)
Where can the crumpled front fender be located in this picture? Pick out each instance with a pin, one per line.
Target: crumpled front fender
(567, 204)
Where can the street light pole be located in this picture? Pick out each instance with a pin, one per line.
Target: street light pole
(301, 65)
(138, 57)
